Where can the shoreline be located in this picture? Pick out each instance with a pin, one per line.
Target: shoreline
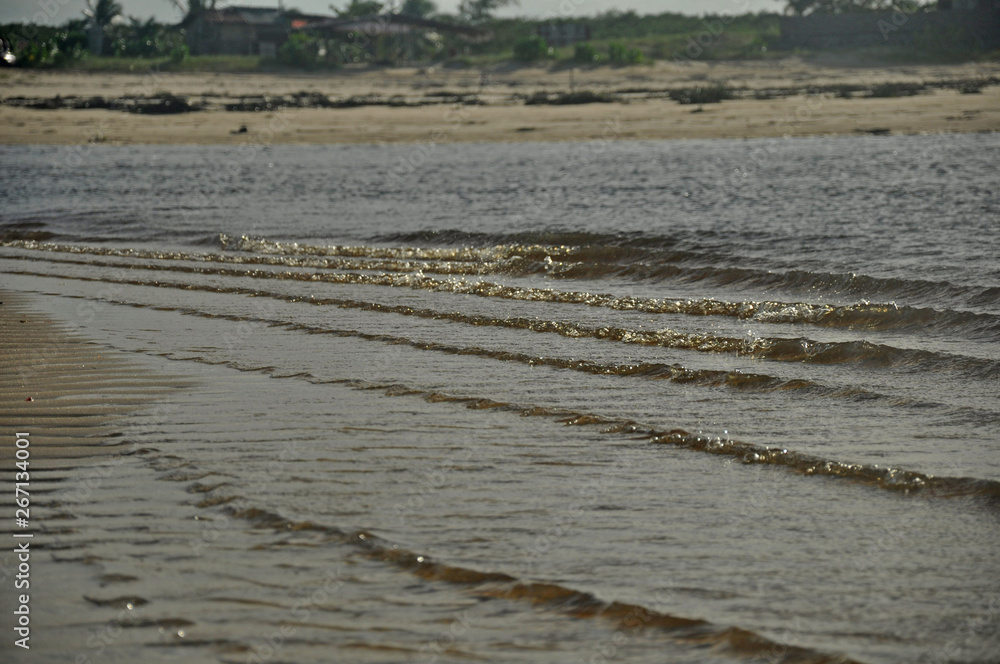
(70, 397)
(419, 106)
(72, 402)
(939, 112)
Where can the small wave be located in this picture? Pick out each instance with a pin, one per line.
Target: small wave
(535, 257)
(555, 238)
(642, 257)
(799, 349)
(790, 281)
(987, 296)
(26, 231)
(578, 604)
(209, 240)
(884, 477)
(263, 246)
(583, 261)
(863, 315)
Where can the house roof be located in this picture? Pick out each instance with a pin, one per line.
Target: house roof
(387, 24)
(240, 15)
(258, 15)
(218, 16)
(373, 24)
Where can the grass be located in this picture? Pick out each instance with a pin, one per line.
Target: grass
(196, 63)
(735, 43)
(902, 55)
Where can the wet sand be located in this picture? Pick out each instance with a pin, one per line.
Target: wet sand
(503, 115)
(66, 391)
(70, 395)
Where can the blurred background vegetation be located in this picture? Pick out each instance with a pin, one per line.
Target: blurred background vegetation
(616, 38)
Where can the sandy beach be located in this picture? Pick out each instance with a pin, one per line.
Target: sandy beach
(500, 113)
(70, 396)
(432, 377)
(70, 400)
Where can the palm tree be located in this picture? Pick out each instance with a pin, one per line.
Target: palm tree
(418, 7)
(193, 7)
(359, 8)
(103, 12)
(478, 11)
(799, 7)
(100, 15)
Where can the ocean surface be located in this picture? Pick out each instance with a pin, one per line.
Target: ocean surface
(694, 401)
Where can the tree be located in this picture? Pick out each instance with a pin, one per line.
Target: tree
(103, 11)
(360, 8)
(141, 39)
(193, 7)
(418, 7)
(531, 49)
(799, 7)
(803, 7)
(479, 11)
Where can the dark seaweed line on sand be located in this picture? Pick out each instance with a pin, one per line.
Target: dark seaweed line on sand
(169, 103)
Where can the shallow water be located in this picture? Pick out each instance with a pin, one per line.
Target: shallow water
(746, 390)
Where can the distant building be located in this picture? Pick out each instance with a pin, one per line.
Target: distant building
(262, 30)
(564, 34)
(390, 38)
(972, 22)
(966, 5)
(389, 25)
(236, 31)
(960, 5)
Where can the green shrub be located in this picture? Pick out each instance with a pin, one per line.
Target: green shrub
(584, 53)
(300, 50)
(619, 54)
(179, 53)
(531, 49)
